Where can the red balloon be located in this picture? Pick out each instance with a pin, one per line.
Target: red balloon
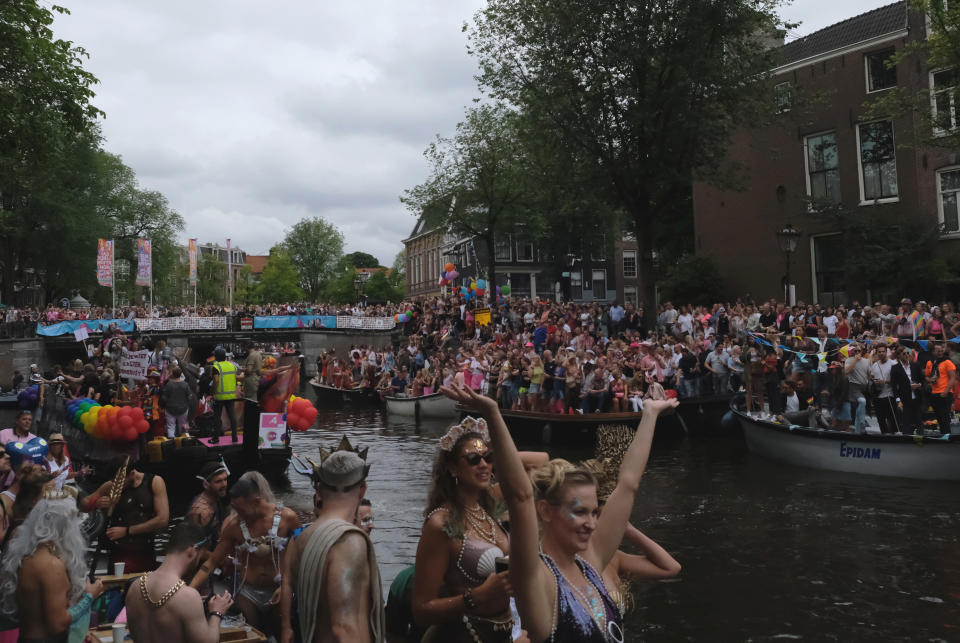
(137, 413)
(311, 415)
(124, 421)
(292, 419)
(130, 434)
(142, 426)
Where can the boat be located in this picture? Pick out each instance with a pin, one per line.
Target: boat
(899, 456)
(560, 428)
(332, 396)
(703, 415)
(8, 399)
(435, 405)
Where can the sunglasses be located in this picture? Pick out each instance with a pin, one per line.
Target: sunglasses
(367, 521)
(473, 459)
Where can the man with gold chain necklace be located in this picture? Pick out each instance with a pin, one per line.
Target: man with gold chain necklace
(161, 608)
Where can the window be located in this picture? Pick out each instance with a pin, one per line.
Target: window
(782, 95)
(948, 185)
(524, 251)
(943, 87)
(576, 284)
(600, 284)
(630, 295)
(880, 76)
(629, 263)
(878, 164)
(502, 249)
(823, 175)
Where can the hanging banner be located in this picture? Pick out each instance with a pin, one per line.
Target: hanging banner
(229, 266)
(144, 263)
(105, 262)
(192, 254)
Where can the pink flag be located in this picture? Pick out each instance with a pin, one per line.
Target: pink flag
(105, 262)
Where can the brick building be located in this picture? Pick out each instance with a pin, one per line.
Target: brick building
(821, 148)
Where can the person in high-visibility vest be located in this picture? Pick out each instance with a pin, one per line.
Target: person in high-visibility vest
(225, 389)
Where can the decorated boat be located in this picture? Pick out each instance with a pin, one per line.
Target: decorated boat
(435, 405)
(900, 456)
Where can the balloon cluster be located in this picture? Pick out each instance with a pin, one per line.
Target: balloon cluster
(117, 423)
(448, 275)
(476, 289)
(403, 318)
(301, 413)
(29, 398)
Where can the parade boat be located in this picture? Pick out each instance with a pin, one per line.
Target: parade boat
(534, 427)
(332, 396)
(899, 456)
(703, 415)
(435, 405)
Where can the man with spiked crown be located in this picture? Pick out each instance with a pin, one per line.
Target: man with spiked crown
(331, 586)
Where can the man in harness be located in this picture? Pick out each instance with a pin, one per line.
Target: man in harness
(225, 392)
(210, 509)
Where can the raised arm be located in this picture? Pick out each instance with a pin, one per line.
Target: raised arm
(613, 520)
(530, 589)
(224, 546)
(654, 563)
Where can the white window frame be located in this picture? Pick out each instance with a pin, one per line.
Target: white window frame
(954, 108)
(806, 163)
(625, 255)
(866, 69)
(784, 107)
(863, 198)
(630, 295)
(500, 244)
(533, 252)
(950, 168)
(593, 281)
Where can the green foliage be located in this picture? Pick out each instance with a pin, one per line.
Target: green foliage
(940, 51)
(280, 279)
(480, 181)
(378, 289)
(343, 288)
(245, 290)
(315, 248)
(691, 279)
(211, 280)
(360, 260)
(643, 95)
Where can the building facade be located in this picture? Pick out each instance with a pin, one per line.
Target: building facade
(823, 150)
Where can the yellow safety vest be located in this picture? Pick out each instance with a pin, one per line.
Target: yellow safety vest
(226, 382)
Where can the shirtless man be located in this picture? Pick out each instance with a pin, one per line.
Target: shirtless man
(161, 610)
(331, 567)
(43, 575)
(256, 534)
(209, 509)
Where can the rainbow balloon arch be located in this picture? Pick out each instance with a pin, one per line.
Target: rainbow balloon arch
(113, 423)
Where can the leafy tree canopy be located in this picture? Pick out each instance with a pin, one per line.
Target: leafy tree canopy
(315, 247)
(280, 279)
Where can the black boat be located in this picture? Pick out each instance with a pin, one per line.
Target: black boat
(330, 396)
(702, 416)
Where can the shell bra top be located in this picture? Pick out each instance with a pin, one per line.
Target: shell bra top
(263, 545)
(476, 562)
(574, 623)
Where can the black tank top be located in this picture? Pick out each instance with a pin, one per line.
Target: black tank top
(134, 507)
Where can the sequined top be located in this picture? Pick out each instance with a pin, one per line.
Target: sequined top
(574, 623)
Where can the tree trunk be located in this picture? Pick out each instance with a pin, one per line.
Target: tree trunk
(491, 294)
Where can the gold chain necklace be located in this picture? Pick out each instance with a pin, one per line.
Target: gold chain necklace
(163, 599)
(476, 520)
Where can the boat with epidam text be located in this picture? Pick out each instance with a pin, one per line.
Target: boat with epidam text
(899, 456)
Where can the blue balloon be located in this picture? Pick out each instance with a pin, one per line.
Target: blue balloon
(481, 284)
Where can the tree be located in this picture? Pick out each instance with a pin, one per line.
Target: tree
(342, 289)
(361, 260)
(692, 279)
(280, 281)
(479, 183)
(48, 132)
(646, 92)
(378, 289)
(211, 280)
(315, 248)
(939, 51)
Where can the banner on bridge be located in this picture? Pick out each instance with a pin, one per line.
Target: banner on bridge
(182, 323)
(92, 325)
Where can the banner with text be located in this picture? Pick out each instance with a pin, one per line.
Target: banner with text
(182, 323)
(92, 325)
(366, 323)
(105, 262)
(134, 365)
(144, 263)
(192, 254)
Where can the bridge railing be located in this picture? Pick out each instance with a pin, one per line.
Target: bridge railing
(180, 324)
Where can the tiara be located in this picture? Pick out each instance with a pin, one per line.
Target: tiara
(64, 493)
(467, 426)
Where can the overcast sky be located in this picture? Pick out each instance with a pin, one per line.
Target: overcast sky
(250, 116)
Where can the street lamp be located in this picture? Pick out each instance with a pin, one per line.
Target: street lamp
(787, 238)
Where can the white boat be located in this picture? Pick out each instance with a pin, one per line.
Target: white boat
(899, 456)
(435, 405)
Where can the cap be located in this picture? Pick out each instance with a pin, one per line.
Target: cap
(56, 438)
(35, 450)
(153, 371)
(211, 469)
(342, 468)
(906, 300)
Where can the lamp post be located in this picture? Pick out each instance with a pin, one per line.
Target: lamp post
(787, 238)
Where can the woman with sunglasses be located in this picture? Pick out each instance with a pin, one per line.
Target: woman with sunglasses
(560, 594)
(457, 593)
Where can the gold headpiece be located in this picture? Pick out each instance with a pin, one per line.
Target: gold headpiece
(341, 468)
(467, 426)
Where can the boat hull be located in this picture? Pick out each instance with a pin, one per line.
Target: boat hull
(892, 456)
(329, 396)
(428, 406)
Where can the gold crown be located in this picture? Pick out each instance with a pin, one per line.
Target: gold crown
(343, 446)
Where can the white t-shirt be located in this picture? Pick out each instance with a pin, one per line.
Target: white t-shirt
(831, 324)
(686, 323)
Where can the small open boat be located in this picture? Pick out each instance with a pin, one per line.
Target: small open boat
(435, 405)
(900, 456)
(332, 396)
(560, 428)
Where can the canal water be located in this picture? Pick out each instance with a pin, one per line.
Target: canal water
(769, 552)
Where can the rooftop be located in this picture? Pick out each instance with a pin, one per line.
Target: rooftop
(257, 263)
(867, 26)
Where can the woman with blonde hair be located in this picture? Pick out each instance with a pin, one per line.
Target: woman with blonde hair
(560, 594)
